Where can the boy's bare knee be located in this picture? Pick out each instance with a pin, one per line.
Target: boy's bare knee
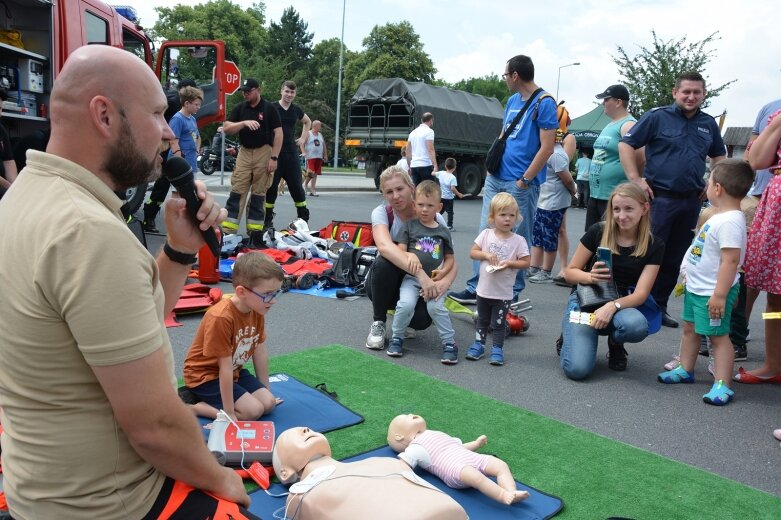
(248, 408)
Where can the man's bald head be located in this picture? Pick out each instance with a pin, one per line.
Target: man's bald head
(95, 70)
(100, 94)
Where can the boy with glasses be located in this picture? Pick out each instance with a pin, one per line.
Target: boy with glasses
(232, 332)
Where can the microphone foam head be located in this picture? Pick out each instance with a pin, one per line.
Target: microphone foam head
(177, 170)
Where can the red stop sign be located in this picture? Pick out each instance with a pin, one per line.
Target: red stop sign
(231, 77)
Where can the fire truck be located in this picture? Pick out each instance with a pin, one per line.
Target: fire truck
(37, 36)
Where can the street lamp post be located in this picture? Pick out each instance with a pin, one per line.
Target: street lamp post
(558, 80)
(339, 90)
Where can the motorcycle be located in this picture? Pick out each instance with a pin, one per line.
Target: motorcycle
(209, 159)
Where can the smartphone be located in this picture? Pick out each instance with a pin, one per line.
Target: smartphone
(605, 255)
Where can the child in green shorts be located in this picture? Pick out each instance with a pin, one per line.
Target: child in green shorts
(710, 273)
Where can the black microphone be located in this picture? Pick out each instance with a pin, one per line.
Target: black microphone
(180, 175)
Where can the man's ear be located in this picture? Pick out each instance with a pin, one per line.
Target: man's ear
(102, 114)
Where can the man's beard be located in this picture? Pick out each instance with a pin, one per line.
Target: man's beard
(125, 163)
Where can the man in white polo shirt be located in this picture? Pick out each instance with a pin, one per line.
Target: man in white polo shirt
(420, 154)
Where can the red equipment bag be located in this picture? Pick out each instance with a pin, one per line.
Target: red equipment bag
(359, 233)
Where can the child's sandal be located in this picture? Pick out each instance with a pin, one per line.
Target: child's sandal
(675, 376)
(719, 395)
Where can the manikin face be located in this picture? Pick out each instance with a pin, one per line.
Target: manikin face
(297, 446)
(627, 212)
(689, 96)
(408, 425)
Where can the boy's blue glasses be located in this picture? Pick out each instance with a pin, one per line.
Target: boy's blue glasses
(266, 297)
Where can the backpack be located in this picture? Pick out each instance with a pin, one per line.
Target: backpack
(352, 266)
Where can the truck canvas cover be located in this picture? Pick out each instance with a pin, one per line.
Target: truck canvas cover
(458, 116)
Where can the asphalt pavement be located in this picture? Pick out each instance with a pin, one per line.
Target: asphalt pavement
(632, 407)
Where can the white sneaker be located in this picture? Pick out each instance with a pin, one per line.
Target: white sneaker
(541, 277)
(376, 339)
(410, 333)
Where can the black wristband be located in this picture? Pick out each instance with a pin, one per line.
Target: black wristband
(274, 158)
(178, 256)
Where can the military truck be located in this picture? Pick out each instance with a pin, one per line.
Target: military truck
(383, 112)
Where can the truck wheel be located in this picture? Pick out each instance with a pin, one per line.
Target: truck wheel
(134, 198)
(470, 180)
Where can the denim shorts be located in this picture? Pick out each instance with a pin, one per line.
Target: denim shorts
(209, 392)
(695, 310)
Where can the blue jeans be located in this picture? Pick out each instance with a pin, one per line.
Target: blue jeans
(527, 202)
(405, 308)
(579, 350)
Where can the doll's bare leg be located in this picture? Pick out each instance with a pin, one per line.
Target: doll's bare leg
(477, 443)
(503, 492)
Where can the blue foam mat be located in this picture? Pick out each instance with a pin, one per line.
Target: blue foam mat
(303, 406)
(538, 506)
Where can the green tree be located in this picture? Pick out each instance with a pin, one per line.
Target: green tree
(650, 74)
(241, 29)
(490, 85)
(290, 42)
(392, 50)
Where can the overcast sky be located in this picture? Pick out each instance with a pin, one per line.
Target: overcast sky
(468, 38)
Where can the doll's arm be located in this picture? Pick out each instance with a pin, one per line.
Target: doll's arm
(477, 443)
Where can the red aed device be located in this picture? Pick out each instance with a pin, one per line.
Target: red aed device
(252, 439)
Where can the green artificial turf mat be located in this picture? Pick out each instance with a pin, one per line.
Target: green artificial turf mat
(595, 476)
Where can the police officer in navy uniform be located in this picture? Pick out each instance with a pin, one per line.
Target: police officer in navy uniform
(677, 140)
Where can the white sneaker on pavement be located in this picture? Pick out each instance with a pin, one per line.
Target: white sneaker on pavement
(376, 338)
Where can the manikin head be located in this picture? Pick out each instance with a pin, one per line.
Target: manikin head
(294, 449)
(403, 429)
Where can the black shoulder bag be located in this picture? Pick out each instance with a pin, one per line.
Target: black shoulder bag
(493, 158)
